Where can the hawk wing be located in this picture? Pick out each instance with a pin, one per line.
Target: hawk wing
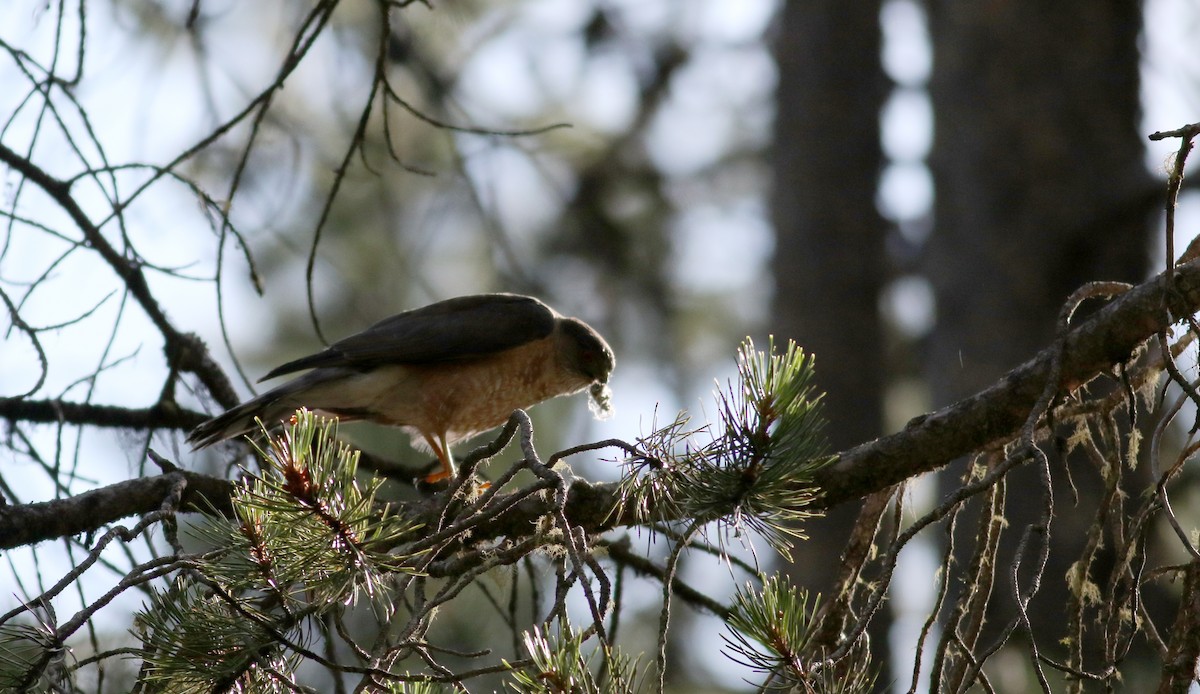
(459, 328)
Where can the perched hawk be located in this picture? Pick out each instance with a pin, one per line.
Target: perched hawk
(444, 372)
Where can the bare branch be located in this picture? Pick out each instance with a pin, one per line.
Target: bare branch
(158, 416)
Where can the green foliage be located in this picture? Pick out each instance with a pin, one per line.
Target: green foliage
(24, 650)
(774, 633)
(305, 539)
(562, 665)
(757, 473)
(777, 619)
(310, 526)
(196, 635)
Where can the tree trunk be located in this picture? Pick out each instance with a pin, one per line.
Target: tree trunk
(1038, 167)
(829, 259)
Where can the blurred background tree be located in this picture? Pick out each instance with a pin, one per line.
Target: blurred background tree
(729, 168)
(1038, 118)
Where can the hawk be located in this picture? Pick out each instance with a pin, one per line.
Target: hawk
(443, 372)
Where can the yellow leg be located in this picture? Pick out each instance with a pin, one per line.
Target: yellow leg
(442, 450)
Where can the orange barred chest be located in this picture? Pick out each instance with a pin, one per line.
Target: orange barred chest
(468, 397)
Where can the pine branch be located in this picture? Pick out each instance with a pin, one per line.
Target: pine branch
(306, 540)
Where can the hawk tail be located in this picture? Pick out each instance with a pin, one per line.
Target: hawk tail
(239, 421)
